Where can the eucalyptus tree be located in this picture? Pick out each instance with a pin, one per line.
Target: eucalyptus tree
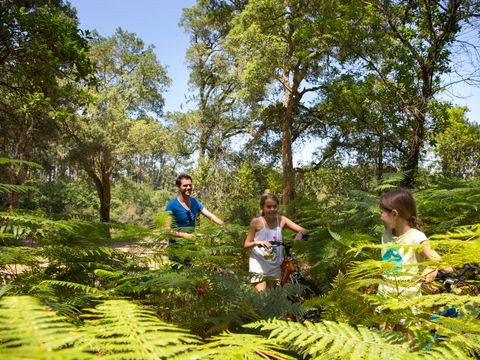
(282, 56)
(42, 55)
(400, 53)
(107, 133)
(211, 75)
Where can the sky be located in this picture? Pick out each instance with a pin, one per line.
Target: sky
(156, 23)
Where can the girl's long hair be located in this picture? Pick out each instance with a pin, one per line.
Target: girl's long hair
(402, 201)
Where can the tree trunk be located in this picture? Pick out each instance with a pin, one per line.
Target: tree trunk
(411, 164)
(379, 169)
(288, 192)
(202, 148)
(14, 178)
(105, 198)
(103, 186)
(25, 145)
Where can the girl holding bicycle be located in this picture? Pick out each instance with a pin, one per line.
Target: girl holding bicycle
(265, 239)
(404, 245)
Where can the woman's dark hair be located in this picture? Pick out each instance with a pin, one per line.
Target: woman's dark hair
(264, 198)
(178, 182)
(402, 201)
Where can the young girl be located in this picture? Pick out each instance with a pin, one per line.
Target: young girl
(265, 240)
(399, 217)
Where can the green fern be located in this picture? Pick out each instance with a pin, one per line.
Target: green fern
(238, 346)
(29, 330)
(22, 189)
(73, 286)
(335, 340)
(121, 329)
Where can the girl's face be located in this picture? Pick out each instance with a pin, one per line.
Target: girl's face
(388, 218)
(270, 207)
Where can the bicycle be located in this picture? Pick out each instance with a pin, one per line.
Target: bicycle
(292, 273)
(460, 283)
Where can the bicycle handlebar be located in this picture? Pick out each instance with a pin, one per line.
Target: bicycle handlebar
(452, 278)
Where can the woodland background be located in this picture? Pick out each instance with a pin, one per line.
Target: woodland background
(88, 161)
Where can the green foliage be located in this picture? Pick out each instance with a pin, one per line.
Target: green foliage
(332, 339)
(30, 330)
(244, 346)
(37, 96)
(114, 128)
(458, 146)
(122, 329)
(448, 203)
(119, 291)
(137, 203)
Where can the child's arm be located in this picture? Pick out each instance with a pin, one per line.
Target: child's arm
(431, 254)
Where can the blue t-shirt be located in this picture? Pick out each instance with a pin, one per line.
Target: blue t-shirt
(182, 217)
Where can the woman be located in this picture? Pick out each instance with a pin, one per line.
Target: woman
(265, 240)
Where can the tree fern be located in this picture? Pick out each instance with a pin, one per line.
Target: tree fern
(121, 329)
(29, 330)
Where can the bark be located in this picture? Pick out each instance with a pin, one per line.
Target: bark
(288, 192)
(25, 145)
(411, 164)
(103, 186)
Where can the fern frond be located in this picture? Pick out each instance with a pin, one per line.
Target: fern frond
(74, 286)
(20, 162)
(335, 340)
(5, 188)
(466, 232)
(429, 301)
(35, 221)
(30, 331)
(123, 330)
(446, 352)
(238, 346)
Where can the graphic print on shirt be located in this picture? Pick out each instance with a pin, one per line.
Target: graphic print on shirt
(393, 255)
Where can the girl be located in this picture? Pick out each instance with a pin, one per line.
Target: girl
(265, 240)
(399, 217)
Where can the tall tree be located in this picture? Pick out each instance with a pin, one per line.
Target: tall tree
(42, 55)
(130, 86)
(405, 50)
(282, 54)
(211, 75)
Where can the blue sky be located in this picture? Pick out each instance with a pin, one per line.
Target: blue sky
(156, 23)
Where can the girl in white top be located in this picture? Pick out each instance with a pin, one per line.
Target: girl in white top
(399, 216)
(266, 241)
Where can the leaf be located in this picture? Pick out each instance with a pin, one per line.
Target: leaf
(122, 329)
(31, 331)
